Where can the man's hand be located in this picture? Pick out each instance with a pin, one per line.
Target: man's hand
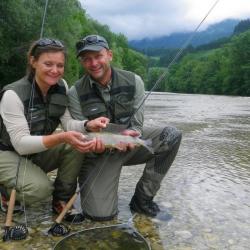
(97, 124)
(131, 132)
(99, 146)
(127, 146)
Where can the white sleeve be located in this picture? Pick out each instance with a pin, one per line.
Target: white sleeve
(12, 112)
(68, 123)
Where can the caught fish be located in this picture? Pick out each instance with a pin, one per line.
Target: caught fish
(112, 140)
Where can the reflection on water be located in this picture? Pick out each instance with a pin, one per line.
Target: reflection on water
(205, 198)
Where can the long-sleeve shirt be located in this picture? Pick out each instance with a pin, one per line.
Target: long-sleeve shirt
(12, 113)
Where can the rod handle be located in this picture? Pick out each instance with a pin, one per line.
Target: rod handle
(11, 206)
(66, 208)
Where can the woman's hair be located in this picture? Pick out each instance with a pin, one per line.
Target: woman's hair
(39, 47)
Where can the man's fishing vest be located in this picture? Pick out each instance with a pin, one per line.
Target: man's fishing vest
(120, 107)
(42, 114)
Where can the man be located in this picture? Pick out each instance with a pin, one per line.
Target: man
(105, 91)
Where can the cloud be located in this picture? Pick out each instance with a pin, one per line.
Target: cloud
(141, 18)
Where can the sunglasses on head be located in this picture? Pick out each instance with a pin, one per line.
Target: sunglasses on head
(91, 40)
(44, 42)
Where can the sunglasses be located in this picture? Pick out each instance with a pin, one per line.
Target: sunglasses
(44, 42)
(91, 40)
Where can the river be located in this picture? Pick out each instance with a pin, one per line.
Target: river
(207, 189)
(205, 197)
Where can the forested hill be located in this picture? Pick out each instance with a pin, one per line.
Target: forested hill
(224, 70)
(176, 40)
(66, 20)
(218, 68)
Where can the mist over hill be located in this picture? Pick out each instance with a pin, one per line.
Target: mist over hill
(176, 40)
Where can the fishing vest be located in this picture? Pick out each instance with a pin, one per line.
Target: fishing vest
(42, 114)
(120, 107)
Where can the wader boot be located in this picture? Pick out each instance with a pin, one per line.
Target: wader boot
(144, 205)
(72, 215)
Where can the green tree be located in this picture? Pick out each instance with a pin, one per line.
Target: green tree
(238, 80)
(66, 20)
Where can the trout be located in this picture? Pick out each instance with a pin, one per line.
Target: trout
(111, 140)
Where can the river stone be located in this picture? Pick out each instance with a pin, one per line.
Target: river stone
(183, 234)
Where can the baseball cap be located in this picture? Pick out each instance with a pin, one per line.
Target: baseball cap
(91, 43)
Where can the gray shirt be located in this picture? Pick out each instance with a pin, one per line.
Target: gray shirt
(137, 120)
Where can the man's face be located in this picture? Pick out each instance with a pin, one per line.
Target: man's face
(97, 64)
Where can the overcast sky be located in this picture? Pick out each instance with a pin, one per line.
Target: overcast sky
(151, 18)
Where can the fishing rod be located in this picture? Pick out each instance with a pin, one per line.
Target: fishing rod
(166, 72)
(18, 232)
(58, 228)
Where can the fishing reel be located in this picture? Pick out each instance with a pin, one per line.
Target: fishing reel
(18, 232)
(59, 229)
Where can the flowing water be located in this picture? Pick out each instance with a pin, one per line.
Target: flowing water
(207, 190)
(205, 197)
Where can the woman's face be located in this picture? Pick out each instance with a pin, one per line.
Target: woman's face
(49, 68)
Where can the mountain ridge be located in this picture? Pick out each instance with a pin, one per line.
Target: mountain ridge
(213, 32)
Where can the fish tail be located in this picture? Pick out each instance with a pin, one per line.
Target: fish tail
(148, 145)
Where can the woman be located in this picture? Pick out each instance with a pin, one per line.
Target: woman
(31, 109)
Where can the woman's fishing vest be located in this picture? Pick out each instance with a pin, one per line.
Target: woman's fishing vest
(120, 107)
(42, 114)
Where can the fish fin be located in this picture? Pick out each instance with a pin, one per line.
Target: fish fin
(149, 145)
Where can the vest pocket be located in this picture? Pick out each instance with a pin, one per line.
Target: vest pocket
(94, 110)
(57, 105)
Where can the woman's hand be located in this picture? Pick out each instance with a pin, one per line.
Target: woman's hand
(78, 141)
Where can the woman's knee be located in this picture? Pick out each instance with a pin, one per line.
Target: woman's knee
(37, 191)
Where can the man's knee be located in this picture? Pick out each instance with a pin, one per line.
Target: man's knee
(169, 141)
(100, 209)
(170, 136)
(100, 202)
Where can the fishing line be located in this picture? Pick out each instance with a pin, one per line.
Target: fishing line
(44, 16)
(18, 232)
(162, 76)
(176, 57)
(58, 229)
(30, 113)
